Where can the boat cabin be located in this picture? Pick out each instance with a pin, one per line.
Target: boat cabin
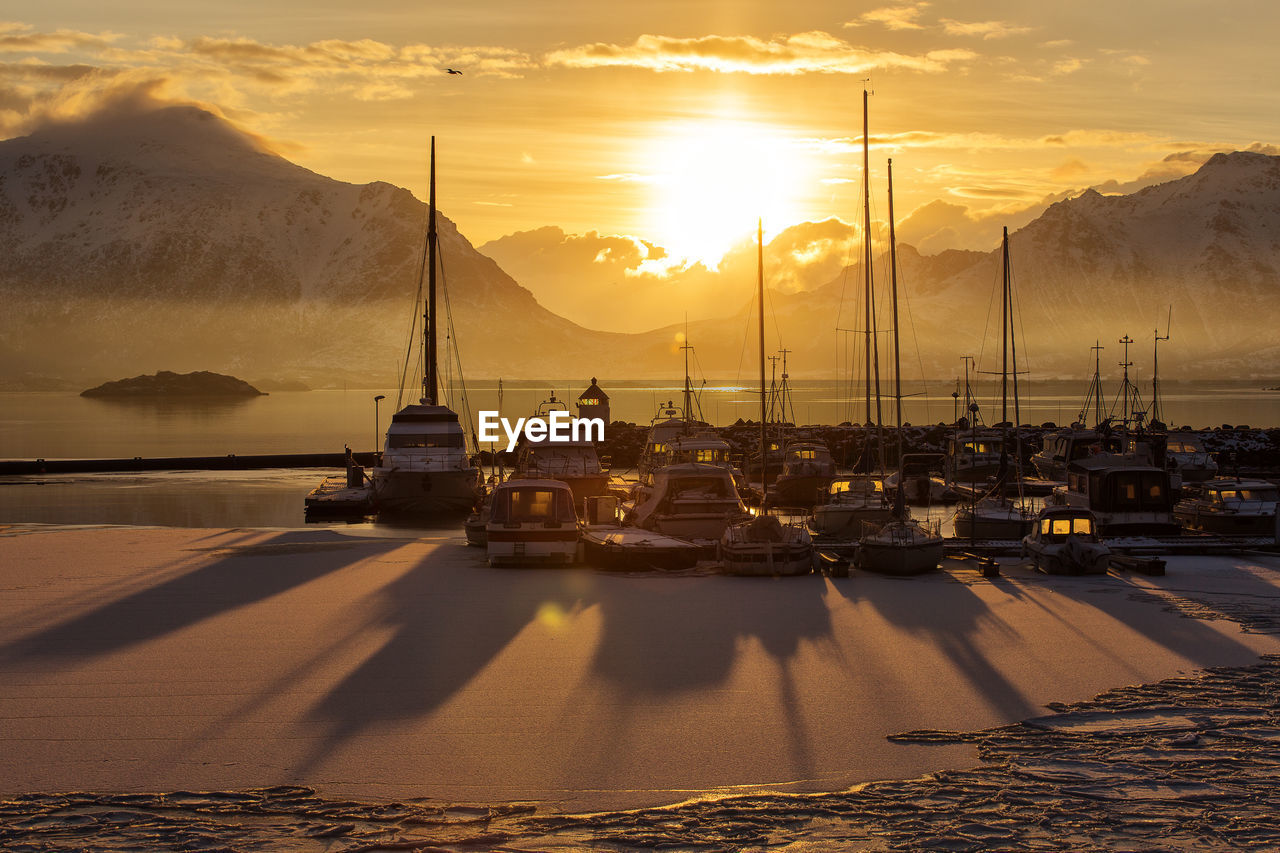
(531, 521)
(1128, 496)
(1065, 446)
(1057, 523)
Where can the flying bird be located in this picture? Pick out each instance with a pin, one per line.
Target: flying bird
(451, 71)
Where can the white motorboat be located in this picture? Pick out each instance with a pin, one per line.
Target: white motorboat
(807, 468)
(425, 467)
(848, 503)
(690, 501)
(766, 546)
(1064, 541)
(573, 462)
(1231, 508)
(531, 522)
(1185, 454)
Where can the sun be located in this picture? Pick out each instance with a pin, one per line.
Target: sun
(715, 178)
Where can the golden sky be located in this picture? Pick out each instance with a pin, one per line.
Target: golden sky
(682, 122)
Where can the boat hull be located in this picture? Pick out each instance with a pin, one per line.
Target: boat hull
(799, 491)
(530, 546)
(422, 493)
(892, 559)
(631, 549)
(847, 521)
(772, 559)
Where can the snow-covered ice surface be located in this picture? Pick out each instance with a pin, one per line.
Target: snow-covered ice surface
(1186, 763)
(1183, 764)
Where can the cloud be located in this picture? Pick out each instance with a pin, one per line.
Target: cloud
(20, 38)
(813, 52)
(1069, 169)
(1067, 66)
(985, 29)
(645, 288)
(892, 17)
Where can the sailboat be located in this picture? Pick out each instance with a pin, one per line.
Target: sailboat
(425, 468)
(993, 515)
(764, 545)
(903, 546)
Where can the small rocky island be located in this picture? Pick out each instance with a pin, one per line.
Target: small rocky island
(167, 384)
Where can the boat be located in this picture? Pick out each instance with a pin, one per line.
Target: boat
(1062, 447)
(973, 456)
(1129, 496)
(903, 545)
(924, 484)
(1064, 541)
(1185, 454)
(1231, 507)
(807, 468)
(764, 545)
(848, 503)
(691, 500)
(993, 514)
(425, 469)
(607, 544)
(573, 462)
(531, 522)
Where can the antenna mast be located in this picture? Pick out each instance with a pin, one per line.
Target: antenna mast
(1156, 414)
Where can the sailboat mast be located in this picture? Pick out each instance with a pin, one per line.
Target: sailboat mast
(764, 455)
(429, 378)
(866, 245)
(893, 272)
(1004, 330)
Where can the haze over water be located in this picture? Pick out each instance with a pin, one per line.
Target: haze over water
(63, 425)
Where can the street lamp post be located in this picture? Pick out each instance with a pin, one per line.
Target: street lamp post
(377, 431)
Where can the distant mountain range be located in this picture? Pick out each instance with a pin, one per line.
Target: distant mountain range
(171, 240)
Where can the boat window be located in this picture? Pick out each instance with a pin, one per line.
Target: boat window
(1082, 525)
(532, 504)
(1046, 524)
(1154, 495)
(1228, 495)
(398, 441)
(1258, 494)
(709, 455)
(1061, 526)
(1127, 486)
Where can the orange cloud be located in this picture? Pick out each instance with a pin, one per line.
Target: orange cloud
(813, 52)
(892, 17)
(985, 29)
(20, 38)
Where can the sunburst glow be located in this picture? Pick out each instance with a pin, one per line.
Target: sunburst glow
(716, 178)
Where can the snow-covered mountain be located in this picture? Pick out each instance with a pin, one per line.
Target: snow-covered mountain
(172, 240)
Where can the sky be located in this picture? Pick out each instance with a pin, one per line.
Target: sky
(679, 124)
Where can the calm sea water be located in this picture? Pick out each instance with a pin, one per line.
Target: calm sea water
(64, 425)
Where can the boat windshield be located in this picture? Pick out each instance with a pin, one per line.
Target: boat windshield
(533, 503)
(1059, 527)
(858, 487)
(1183, 447)
(1254, 494)
(399, 441)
